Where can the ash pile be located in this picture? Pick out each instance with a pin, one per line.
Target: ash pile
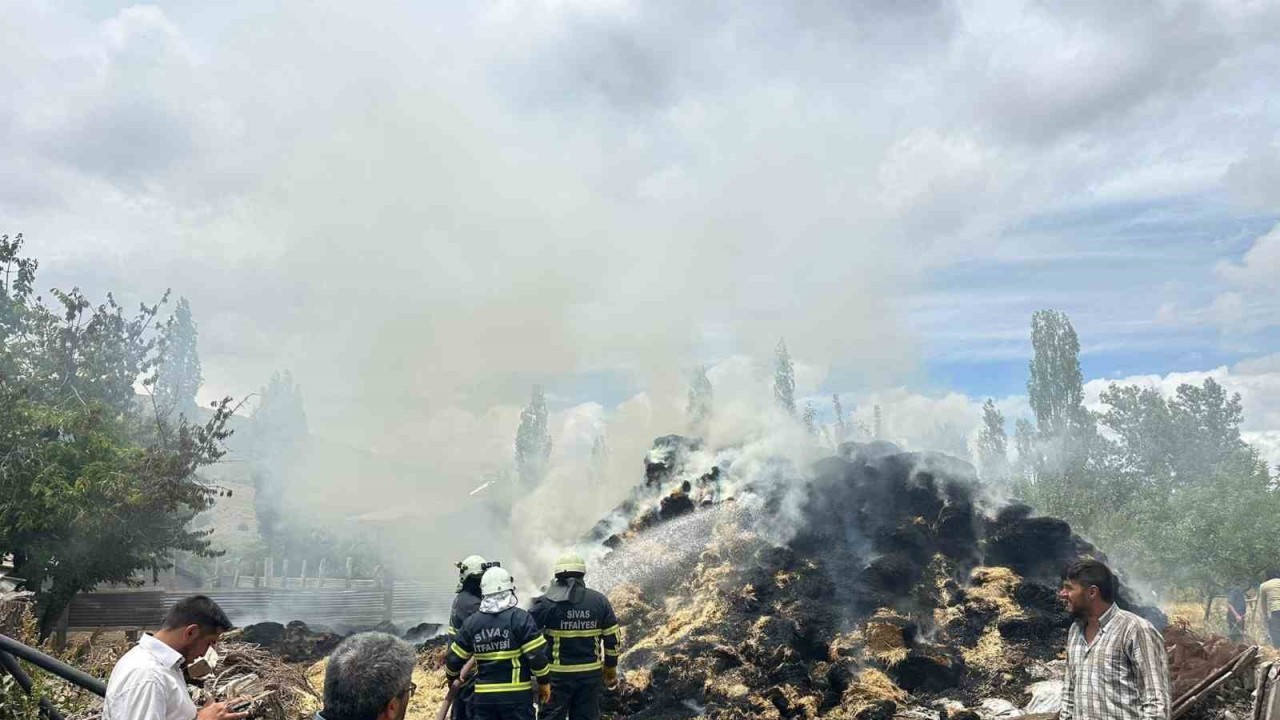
(871, 585)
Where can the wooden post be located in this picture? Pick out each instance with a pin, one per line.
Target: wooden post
(235, 580)
(173, 571)
(267, 562)
(217, 572)
(284, 575)
(348, 572)
(320, 573)
(303, 575)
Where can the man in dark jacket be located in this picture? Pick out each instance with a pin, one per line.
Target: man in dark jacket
(509, 650)
(583, 632)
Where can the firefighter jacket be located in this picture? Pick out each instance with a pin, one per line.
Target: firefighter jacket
(465, 604)
(580, 626)
(509, 653)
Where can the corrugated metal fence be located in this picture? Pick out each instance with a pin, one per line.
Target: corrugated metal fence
(406, 603)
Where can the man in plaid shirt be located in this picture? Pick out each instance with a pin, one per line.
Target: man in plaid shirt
(1116, 663)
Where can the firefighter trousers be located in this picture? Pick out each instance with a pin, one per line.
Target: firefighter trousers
(575, 697)
(504, 711)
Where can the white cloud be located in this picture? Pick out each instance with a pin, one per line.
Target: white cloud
(1260, 266)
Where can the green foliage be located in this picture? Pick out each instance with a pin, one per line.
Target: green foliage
(91, 488)
(993, 445)
(1164, 485)
(178, 376)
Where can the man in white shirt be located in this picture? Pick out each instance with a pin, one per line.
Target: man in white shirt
(147, 682)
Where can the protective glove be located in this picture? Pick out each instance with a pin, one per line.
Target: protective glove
(611, 677)
(544, 693)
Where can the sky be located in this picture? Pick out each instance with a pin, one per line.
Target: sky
(422, 209)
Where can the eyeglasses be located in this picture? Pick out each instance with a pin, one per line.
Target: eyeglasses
(413, 688)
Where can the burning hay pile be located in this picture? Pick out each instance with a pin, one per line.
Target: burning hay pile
(873, 587)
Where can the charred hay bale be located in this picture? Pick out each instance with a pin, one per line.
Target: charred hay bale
(815, 625)
(266, 634)
(913, 539)
(766, 636)
(1037, 548)
(667, 458)
(867, 451)
(887, 581)
(829, 680)
(792, 702)
(676, 504)
(928, 669)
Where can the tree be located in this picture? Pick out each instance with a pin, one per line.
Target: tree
(1068, 453)
(93, 488)
(1024, 444)
(701, 401)
(877, 427)
(1189, 499)
(993, 445)
(533, 441)
(178, 377)
(1055, 387)
(279, 434)
(784, 379)
(842, 426)
(810, 419)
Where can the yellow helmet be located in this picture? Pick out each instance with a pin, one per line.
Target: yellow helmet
(570, 562)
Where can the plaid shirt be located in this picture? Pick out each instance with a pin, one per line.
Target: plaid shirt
(1123, 675)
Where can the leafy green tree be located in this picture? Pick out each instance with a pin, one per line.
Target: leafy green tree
(701, 401)
(1193, 503)
(784, 379)
(993, 445)
(92, 489)
(1065, 478)
(533, 440)
(1055, 387)
(178, 377)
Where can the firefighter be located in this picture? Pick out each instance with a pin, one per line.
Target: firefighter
(467, 601)
(465, 604)
(509, 650)
(583, 632)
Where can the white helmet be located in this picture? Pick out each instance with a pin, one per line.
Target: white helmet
(570, 562)
(496, 580)
(471, 566)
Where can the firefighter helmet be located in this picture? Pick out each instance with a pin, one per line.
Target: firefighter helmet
(570, 562)
(496, 580)
(471, 566)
